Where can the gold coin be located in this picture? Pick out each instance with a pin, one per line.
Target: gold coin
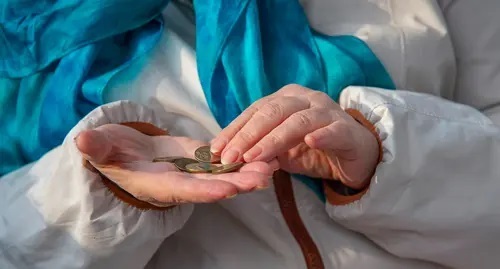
(227, 168)
(183, 162)
(169, 159)
(200, 167)
(203, 154)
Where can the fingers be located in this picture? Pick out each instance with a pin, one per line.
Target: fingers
(220, 142)
(270, 115)
(337, 137)
(340, 139)
(177, 187)
(288, 134)
(306, 161)
(286, 110)
(225, 135)
(161, 182)
(243, 181)
(252, 176)
(94, 145)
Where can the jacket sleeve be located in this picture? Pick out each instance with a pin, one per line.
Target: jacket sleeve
(58, 214)
(434, 196)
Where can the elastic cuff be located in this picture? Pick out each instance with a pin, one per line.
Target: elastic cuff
(331, 188)
(147, 129)
(336, 198)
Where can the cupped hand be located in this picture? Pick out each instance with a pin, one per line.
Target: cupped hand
(125, 155)
(307, 131)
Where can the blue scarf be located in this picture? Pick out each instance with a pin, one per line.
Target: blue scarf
(56, 59)
(249, 49)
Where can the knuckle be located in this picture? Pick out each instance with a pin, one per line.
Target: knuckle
(343, 128)
(291, 88)
(321, 99)
(247, 113)
(324, 111)
(274, 139)
(254, 108)
(302, 119)
(245, 136)
(319, 95)
(272, 110)
(224, 137)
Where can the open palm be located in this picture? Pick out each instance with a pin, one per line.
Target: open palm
(124, 155)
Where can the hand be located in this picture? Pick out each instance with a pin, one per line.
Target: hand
(307, 131)
(124, 155)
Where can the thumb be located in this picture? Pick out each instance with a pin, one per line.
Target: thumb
(356, 154)
(336, 137)
(94, 145)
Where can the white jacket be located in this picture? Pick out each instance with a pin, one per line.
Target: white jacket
(432, 202)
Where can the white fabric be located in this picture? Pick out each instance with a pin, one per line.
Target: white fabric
(432, 199)
(475, 30)
(434, 196)
(57, 214)
(405, 35)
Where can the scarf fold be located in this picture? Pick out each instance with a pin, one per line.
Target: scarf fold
(56, 58)
(249, 49)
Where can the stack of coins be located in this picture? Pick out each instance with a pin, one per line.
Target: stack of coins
(204, 162)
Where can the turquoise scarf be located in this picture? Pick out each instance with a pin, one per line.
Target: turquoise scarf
(248, 49)
(56, 58)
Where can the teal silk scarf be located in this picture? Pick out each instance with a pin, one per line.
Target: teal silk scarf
(249, 49)
(56, 58)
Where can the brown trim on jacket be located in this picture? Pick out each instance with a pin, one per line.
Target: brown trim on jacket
(284, 193)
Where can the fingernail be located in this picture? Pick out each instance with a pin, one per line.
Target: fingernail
(216, 146)
(230, 156)
(231, 196)
(252, 154)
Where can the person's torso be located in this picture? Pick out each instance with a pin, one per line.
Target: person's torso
(249, 231)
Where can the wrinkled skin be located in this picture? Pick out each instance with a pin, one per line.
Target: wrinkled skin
(307, 132)
(124, 155)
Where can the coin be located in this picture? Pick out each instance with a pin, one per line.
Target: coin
(227, 168)
(203, 154)
(200, 167)
(182, 163)
(169, 159)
